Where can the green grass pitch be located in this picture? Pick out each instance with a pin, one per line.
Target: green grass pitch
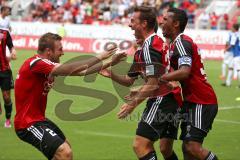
(106, 137)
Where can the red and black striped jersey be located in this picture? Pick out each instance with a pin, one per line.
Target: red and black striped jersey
(31, 89)
(196, 89)
(5, 40)
(153, 60)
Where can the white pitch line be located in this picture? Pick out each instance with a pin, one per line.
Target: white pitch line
(228, 108)
(104, 134)
(227, 121)
(93, 133)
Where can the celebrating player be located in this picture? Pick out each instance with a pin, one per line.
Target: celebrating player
(200, 102)
(33, 82)
(147, 61)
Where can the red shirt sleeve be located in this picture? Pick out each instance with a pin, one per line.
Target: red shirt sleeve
(42, 66)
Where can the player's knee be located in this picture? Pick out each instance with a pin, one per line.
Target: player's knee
(137, 145)
(166, 147)
(68, 153)
(7, 98)
(192, 148)
(64, 152)
(165, 150)
(141, 145)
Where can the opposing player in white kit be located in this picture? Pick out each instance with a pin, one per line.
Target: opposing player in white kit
(233, 47)
(228, 54)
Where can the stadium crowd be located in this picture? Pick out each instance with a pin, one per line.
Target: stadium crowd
(101, 12)
(108, 12)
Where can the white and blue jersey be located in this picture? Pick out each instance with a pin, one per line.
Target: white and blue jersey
(233, 41)
(236, 52)
(235, 47)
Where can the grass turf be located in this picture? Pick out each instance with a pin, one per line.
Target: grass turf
(106, 137)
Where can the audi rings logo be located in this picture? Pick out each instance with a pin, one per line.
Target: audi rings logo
(101, 45)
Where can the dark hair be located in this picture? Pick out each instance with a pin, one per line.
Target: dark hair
(181, 16)
(148, 14)
(3, 8)
(47, 41)
(236, 26)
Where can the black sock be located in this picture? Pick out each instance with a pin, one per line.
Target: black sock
(150, 156)
(8, 110)
(172, 157)
(211, 156)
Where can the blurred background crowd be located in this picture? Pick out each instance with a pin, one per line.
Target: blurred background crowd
(109, 12)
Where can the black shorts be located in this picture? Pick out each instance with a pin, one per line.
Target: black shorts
(197, 120)
(159, 119)
(6, 80)
(45, 136)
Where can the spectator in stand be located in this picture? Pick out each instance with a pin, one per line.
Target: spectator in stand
(185, 4)
(121, 8)
(113, 9)
(106, 11)
(47, 8)
(213, 20)
(191, 14)
(88, 11)
(204, 19)
(224, 22)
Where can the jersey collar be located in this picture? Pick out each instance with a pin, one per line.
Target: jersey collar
(149, 37)
(176, 38)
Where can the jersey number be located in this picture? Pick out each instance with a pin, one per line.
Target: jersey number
(51, 132)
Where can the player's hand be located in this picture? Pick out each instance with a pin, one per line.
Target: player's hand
(118, 58)
(13, 54)
(125, 110)
(174, 84)
(132, 94)
(108, 53)
(105, 73)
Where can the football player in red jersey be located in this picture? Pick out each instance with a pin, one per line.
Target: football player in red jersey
(6, 81)
(200, 102)
(150, 61)
(34, 80)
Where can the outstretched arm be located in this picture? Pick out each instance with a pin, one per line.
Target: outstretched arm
(124, 80)
(103, 65)
(75, 68)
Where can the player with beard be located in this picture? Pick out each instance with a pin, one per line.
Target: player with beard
(34, 80)
(147, 63)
